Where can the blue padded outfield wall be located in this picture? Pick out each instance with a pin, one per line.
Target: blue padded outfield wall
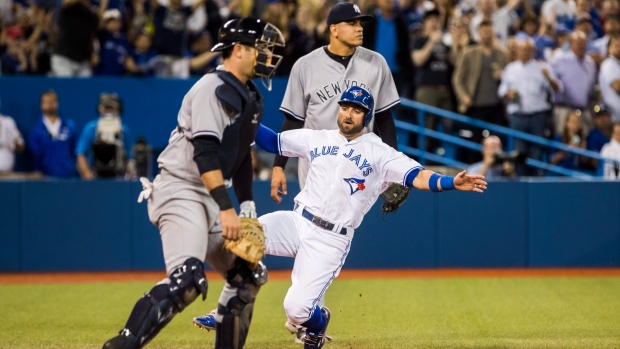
(72, 225)
(95, 226)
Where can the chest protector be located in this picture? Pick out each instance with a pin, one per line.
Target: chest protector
(246, 102)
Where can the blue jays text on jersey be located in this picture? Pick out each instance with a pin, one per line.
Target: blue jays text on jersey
(365, 166)
(334, 89)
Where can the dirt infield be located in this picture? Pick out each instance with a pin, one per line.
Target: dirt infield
(90, 277)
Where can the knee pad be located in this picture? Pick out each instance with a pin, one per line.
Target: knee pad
(158, 306)
(236, 314)
(186, 282)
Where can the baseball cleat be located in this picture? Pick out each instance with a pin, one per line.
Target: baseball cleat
(300, 332)
(317, 340)
(206, 322)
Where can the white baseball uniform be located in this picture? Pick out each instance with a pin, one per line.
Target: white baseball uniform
(344, 180)
(317, 81)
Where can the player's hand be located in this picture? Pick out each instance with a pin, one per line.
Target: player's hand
(465, 182)
(247, 209)
(231, 225)
(278, 179)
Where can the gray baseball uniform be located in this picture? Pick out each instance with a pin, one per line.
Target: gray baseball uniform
(317, 81)
(180, 206)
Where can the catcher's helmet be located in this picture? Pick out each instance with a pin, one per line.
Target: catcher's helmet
(257, 33)
(361, 97)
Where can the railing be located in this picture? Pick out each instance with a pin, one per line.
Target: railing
(421, 155)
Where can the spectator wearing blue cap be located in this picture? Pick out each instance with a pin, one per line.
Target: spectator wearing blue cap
(601, 133)
(113, 45)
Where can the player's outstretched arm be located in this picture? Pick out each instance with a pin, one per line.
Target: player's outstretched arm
(430, 181)
(267, 139)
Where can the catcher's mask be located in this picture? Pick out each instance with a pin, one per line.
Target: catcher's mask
(361, 97)
(259, 34)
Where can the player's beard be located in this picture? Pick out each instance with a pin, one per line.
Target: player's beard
(50, 111)
(348, 129)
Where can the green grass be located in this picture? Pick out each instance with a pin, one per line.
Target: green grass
(409, 313)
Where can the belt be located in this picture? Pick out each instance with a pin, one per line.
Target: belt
(320, 222)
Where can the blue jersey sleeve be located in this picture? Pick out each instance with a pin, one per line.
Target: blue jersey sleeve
(267, 139)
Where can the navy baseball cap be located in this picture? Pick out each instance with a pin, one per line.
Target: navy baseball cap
(600, 109)
(345, 11)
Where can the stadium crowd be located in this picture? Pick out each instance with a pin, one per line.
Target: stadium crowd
(549, 68)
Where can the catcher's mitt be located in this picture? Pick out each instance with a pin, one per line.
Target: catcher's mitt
(251, 245)
(394, 196)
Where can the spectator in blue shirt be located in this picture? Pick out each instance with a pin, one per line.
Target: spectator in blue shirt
(114, 46)
(601, 133)
(388, 35)
(141, 60)
(529, 28)
(106, 130)
(53, 140)
(603, 127)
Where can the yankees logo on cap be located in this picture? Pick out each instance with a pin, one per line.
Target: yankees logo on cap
(345, 11)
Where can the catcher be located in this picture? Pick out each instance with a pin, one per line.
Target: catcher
(356, 166)
(188, 201)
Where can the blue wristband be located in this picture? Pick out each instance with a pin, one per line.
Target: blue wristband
(432, 182)
(446, 182)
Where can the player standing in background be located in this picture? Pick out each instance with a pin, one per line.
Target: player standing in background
(188, 202)
(356, 167)
(318, 78)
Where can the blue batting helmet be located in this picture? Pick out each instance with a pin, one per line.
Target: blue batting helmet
(361, 97)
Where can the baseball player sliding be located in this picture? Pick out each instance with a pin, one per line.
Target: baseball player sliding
(310, 101)
(315, 84)
(348, 170)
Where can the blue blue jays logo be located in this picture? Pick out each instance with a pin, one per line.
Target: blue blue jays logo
(356, 93)
(355, 184)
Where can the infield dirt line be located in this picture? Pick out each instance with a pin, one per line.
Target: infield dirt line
(90, 277)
